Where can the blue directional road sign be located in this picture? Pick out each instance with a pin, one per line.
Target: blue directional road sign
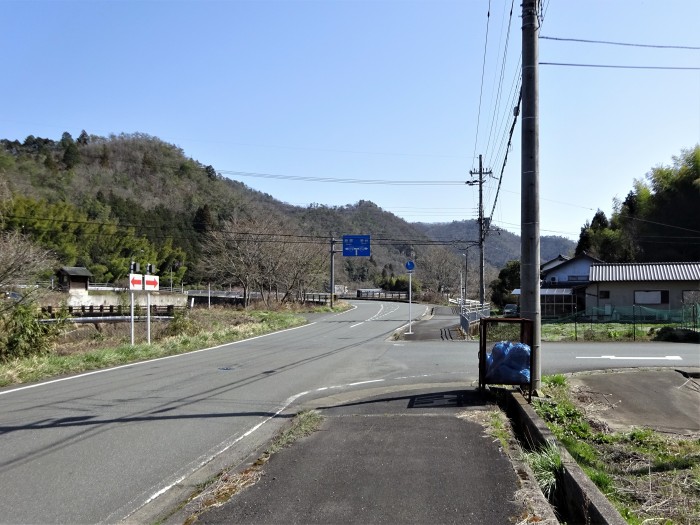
(410, 266)
(356, 246)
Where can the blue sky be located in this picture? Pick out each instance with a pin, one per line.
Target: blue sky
(387, 91)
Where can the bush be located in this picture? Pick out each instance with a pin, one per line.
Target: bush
(26, 335)
(677, 335)
(182, 324)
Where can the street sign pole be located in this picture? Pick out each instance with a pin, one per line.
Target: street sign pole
(148, 317)
(410, 266)
(135, 283)
(132, 318)
(410, 314)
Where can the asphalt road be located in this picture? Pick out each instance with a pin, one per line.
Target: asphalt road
(94, 448)
(97, 447)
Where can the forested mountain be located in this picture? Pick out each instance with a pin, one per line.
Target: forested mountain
(500, 247)
(100, 202)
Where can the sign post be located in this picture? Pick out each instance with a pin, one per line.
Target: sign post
(135, 283)
(151, 282)
(410, 266)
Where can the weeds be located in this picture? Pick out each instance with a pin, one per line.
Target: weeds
(223, 487)
(110, 345)
(546, 465)
(25, 333)
(649, 477)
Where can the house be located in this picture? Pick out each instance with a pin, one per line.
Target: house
(563, 285)
(562, 272)
(626, 290)
(73, 278)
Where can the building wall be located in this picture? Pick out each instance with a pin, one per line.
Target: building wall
(622, 294)
(578, 268)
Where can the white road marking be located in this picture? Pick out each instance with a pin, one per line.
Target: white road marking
(632, 358)
(136, 363)
(377, 315)
(210, 457)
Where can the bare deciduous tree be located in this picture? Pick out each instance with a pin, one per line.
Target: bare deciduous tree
(253, 253)
(21, 261)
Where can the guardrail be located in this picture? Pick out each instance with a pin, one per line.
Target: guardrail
(471, 313)
(104, 311)
(381, 294)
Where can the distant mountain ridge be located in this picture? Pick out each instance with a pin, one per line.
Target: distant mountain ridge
(140, 181)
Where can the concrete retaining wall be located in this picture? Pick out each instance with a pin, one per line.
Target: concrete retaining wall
(103, 298)
(576, 496)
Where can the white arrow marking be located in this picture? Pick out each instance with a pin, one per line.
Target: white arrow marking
(665, 358)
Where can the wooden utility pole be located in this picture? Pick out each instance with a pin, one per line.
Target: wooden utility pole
(530, 305)
(333, 252)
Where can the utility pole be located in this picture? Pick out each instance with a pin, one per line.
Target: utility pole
(333, 252)
(530, 305)
(483, 227)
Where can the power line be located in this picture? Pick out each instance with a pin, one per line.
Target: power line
(607, 42)
(499, 90)
(615, 66)
(283, 238)
(505, 159)
(483, 69)
(344, 180)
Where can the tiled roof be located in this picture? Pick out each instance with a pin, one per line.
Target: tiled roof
(682, 271)
(76, 271)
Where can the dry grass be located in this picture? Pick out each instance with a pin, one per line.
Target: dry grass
(650, 477)
(93, 346)
(229, 483)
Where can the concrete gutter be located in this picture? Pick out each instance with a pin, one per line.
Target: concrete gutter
(576, 495)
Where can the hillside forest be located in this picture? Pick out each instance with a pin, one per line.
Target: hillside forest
(102, 202)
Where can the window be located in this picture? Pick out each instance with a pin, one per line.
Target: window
(651, 297)
(604, 294)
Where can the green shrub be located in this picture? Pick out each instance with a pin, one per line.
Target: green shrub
(677, 335)
(181, 324)
(26, 334)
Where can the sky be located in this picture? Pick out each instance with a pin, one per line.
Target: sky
(392, 101)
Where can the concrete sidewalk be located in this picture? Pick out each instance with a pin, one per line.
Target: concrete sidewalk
(403, 457)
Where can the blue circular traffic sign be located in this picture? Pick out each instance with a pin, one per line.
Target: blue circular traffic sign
(410, 266)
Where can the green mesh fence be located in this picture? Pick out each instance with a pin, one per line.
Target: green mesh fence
(686, 317)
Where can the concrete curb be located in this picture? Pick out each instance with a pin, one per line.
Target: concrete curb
(576, 494)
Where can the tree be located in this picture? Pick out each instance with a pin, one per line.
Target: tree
(507, 281)
(84, 138)
(656, 221)
(203, 220)
(251, 252)
(22, 260)
(439, 270)
(605, 240)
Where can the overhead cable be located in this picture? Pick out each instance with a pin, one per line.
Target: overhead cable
(616, 66)
(607, 42)
(483, 69)
(345, 180)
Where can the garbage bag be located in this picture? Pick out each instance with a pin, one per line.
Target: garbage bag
(508, 363)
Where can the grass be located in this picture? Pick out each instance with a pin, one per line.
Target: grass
(599, 332)
(91, 347)
(546, 465)
(649, 477)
